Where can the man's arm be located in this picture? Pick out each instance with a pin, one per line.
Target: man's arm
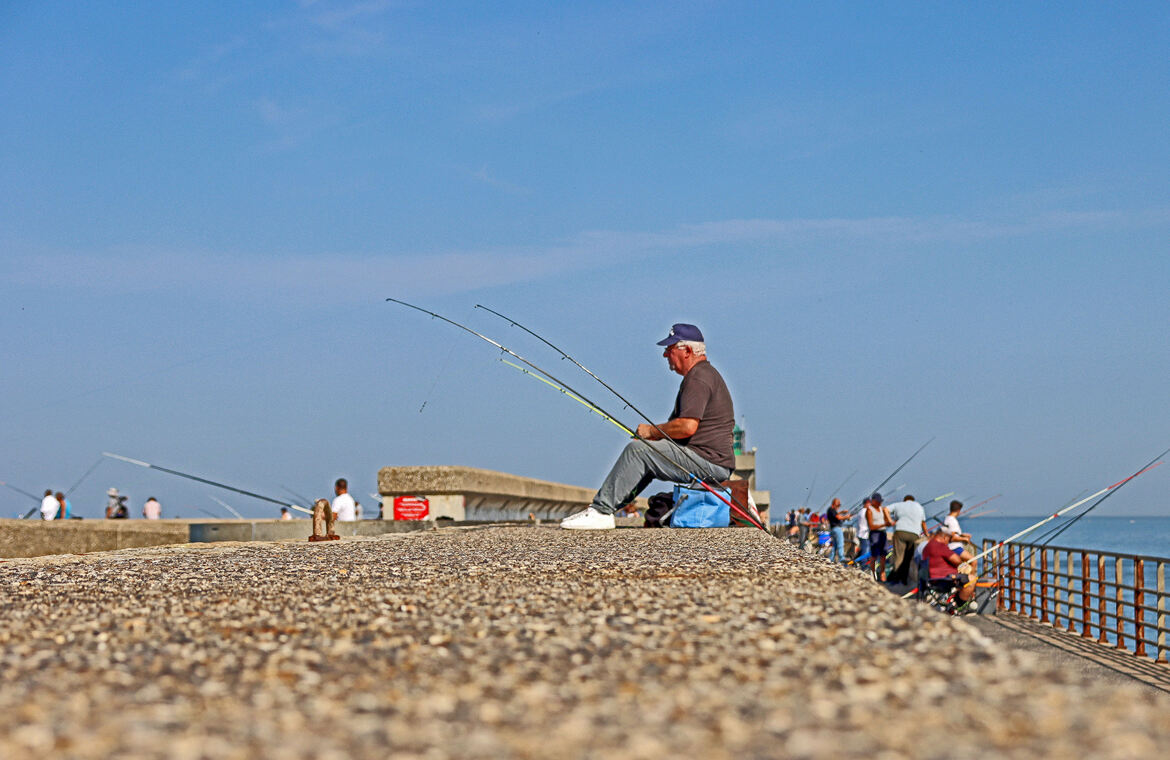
(679, 427)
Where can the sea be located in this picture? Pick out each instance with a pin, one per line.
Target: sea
(1144, 536)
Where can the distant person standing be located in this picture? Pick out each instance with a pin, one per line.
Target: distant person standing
(111, 503)
(344, 507)
(836, 518)
(152, 510)
(909, 524)
(50, 506)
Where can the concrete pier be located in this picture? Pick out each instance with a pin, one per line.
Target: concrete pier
(521, 642)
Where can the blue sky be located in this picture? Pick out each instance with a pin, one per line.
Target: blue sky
(891, 221)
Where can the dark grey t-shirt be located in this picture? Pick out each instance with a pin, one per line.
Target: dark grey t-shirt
(704, 396)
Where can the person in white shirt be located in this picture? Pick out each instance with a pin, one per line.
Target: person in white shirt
(49, 506)
(344, 508)
(957, 537)
(152, 510)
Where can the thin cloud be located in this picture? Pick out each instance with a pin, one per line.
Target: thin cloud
(367, 276)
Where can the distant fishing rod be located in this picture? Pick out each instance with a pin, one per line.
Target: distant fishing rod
(808, 498)
(837, 489)
(984, 513)
(198, 479)
(228, 507)
(296, 495)
(936, 515)
(1048, 537)
(73, 487)
(34, 497)
(878, 488)
(733, 503)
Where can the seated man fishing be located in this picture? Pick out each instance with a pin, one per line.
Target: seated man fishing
(700, 429)
(944, 563)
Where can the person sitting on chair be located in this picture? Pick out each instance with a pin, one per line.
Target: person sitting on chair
(943, 564)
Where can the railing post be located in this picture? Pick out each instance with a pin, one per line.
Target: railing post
(1139, 613)
(1062, 611)
(1119, 605)
(1043, 585)
(1001, 597)
(1101, 615)
(1161, 613)
(1010, 577)
(1086, 612)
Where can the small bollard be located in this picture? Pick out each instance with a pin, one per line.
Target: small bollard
(323, 520)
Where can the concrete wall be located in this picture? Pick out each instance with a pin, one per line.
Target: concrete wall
(35, 538)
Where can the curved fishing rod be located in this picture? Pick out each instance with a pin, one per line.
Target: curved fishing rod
(890, 477)
(573, 396)
(733, 504)
(837, 489)
(34, 497)
(198, 479)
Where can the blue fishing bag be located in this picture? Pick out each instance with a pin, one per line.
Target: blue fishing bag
(699, 508)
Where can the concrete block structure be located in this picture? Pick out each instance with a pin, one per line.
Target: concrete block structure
(469, 493)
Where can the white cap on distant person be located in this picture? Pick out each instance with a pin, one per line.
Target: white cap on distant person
(112, 492)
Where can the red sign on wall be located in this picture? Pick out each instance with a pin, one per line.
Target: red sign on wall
(411, 507)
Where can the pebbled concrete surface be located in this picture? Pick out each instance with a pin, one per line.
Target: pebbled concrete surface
(520, 642)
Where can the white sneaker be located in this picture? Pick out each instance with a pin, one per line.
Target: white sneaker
(590, 519)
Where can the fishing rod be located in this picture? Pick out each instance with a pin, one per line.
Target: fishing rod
(296, 495)
(573, 396)
(228, 507)
(198, 479)
(890, 477)
(34, 497)
(936, 515)
(810, 490)
(93, 467)
(838, 488)
(984, 513)
(733, 503)
(1104, 493)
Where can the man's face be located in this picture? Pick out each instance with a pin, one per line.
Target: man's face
(676, 357)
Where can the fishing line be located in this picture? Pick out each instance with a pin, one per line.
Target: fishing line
(733, 503)
(442, 371)
(838, 488)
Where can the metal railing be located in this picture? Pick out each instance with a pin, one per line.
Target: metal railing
(1115, 599)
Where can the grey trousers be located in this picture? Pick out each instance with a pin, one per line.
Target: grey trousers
(642, 462)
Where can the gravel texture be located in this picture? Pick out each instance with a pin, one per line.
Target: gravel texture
(523, 642)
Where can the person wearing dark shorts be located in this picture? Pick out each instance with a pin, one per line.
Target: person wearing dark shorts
(700, 427)
(878, 519)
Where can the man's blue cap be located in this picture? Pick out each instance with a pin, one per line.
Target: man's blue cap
(682, 332)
